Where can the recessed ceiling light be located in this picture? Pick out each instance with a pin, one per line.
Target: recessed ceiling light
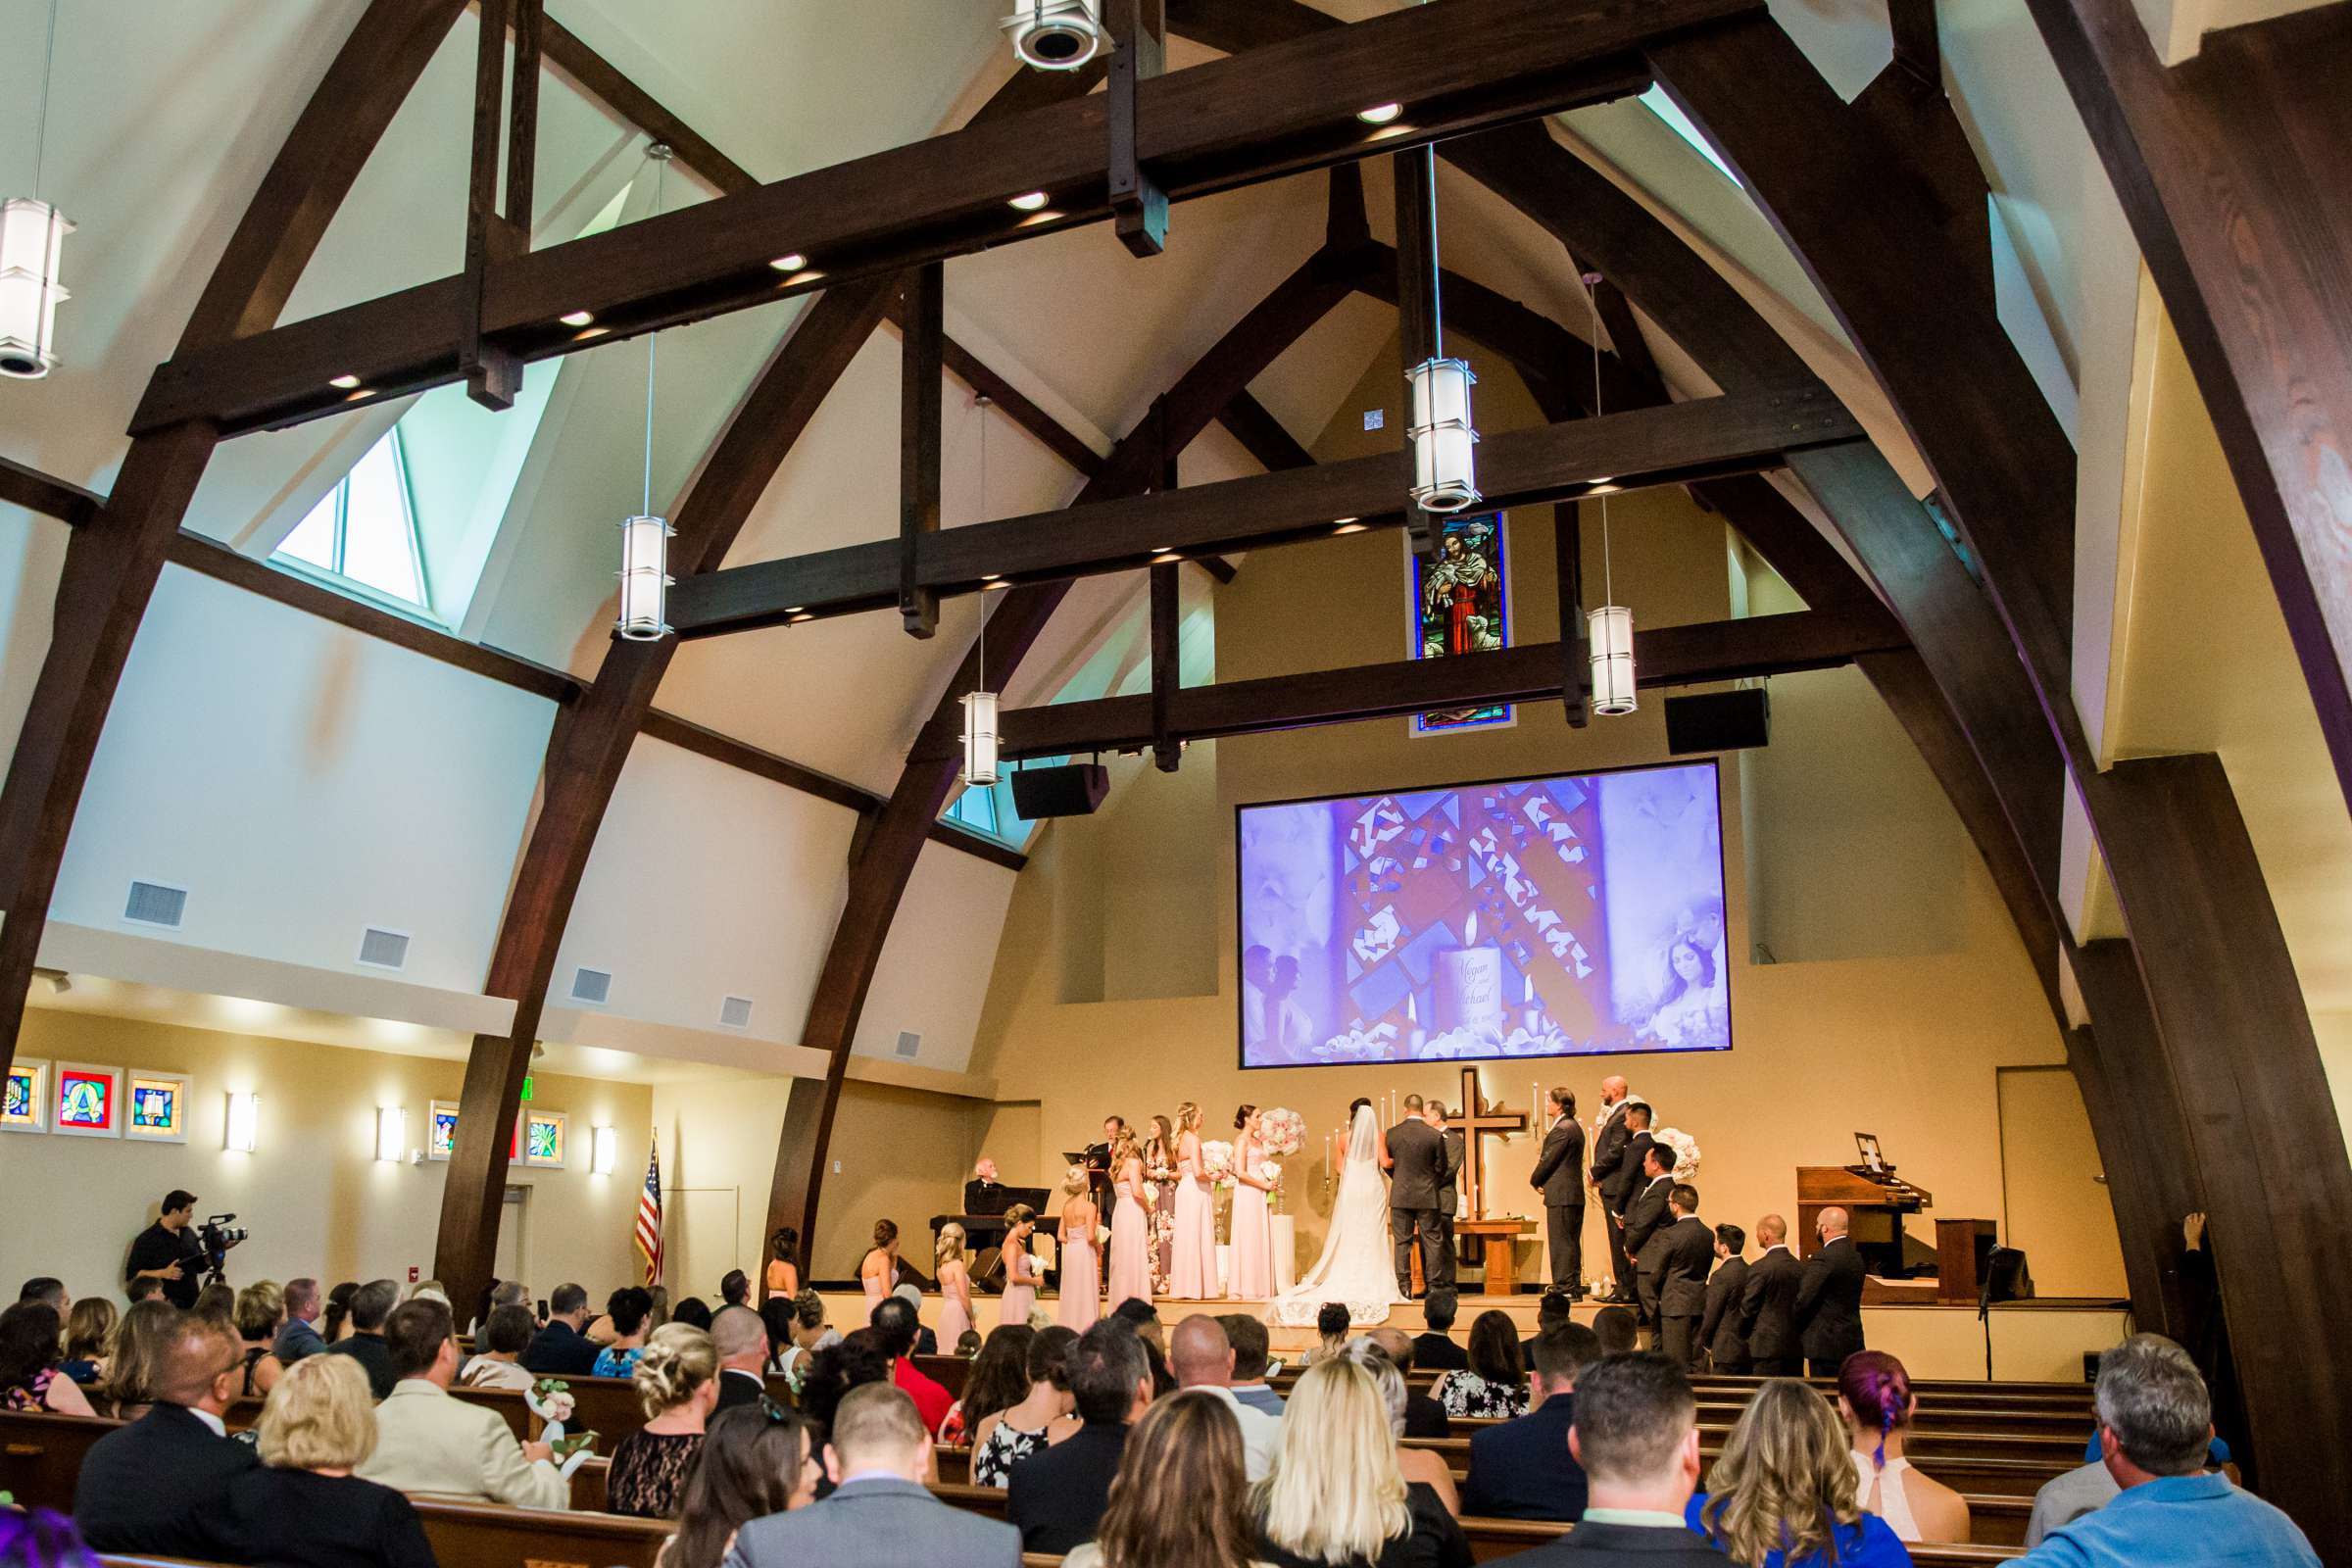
(794, 609)
(594, 331)
(1604, 487)
(803, 615)
(992, 584)
(1029, 201)
(807, 276)
(1348, 526)
(576, 318)
(344, 383)
(792, 263)
(1380, 114)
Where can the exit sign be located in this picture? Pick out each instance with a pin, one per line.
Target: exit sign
(526, 1090)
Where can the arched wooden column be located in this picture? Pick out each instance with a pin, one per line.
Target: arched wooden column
(879, 869)
(2229, 1017)
(2230, 168)
(113, 560)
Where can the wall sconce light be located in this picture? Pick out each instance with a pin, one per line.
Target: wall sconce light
(244, 1122)
(604, 1155)
(391, 1132)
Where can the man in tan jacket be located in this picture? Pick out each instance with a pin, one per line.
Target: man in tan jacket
(430, 1443)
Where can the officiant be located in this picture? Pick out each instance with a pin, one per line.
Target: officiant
(1097, 1159)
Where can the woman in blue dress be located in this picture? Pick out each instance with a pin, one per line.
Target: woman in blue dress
(1784, 1492)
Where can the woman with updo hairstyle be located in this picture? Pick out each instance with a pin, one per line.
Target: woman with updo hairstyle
(878, 1274)
(1020, 1266)
(784, 1263)
(677, 1385)
(1783, 1494)
(955, 1277)
(1189, 1447)
(1193, 1266)
(1081, 1260)
(261, 1313)
(1249, 1266)
(336, 1324)
(757, 1460)
(1331, 1335)
(1874, 1395)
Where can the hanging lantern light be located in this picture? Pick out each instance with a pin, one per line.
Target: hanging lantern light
(645, 578)
(1610, 630)
(32, 242)
(1055, 34)
(979, 738)
(1445, 467)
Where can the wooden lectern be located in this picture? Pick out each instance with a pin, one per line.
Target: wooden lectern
(1875, 1201)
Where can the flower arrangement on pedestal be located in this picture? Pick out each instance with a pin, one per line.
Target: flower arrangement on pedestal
(1279, 1131)
(1685, 1151)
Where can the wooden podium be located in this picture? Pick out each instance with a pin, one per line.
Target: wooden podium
(1875, 1201)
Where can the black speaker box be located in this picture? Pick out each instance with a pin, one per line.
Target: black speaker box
(1074, 790)
(1718, 721)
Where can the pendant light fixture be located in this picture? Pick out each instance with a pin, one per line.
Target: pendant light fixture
(1444, 442)
(980, 704)
(645, 538)
(1055, 34)
(32, 241)
(1610, 628)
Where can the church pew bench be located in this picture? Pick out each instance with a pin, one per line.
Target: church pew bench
(41, 1454)
(470, 1535)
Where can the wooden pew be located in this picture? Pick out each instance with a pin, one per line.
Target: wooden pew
(41, 1454)
(470, 1535)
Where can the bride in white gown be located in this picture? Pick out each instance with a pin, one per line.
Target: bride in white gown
(1358, 1267)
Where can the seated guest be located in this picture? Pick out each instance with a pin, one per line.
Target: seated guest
(926, 1342)
(134, 1359)
(2155, 1425)
(301, 1506)
(999, 1379)
(811, 1333)
(498, 1350)
(1522, 1469)
(1720, 1334)
(627, 1311)
(1337, 1497)
(260, 1312)
(300, 1335)
(735, 1289)
(141, 1287)
(1784, 1493)
(561, 1350)
(1331, 1335)
(150, 1487)
(1056, 1498)
(1618, 1330)
(755, 1462)
(1435, 1348)
(1874, 1395)
(427, 1442)
(1185, 1446)
(1247, 1337)
(895, 1322)
(88, 1327)
(740, 1340)
(1043, 1417)
(335, 1325)
(218, 1302)
(694, 1312)
(837, 1369)
(42, 1287)
(1143, 1317)
(880, 1514)
(495, 1295)
(31, 1345)
(677, 1385)
(1553, 1309)
(1636, 1433)
(1421, 1465)
(1496, 1383)
(1202, 1357)
(371, 1308)
(1424, 1417)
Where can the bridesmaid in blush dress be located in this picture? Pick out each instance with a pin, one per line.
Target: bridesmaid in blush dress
(954, 1289)
(1081, 1272)
(878, 1275)
(1020, 1267)
(1193, 1271)
(1130, 1229)
(1250, 1265)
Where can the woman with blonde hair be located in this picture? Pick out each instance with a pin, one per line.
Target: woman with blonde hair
(955, 1278)
(134, 1359)
(1337, 1497)
(677, 1385)
(1874, 1395)
(302, 1506)
(1193, 1270)
(1785, 1494)
(1081, 1260)
(1020, 1266)
(1185, 1446)
(89, 1326)
(261, 1312)
(1424, 1465)
(1130, 1227)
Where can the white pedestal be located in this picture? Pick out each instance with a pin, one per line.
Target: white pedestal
(1286, 1251)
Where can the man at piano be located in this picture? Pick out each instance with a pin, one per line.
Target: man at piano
(980, 1193)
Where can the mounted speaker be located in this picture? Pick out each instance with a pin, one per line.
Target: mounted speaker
(1074, 790)
(1718, 721)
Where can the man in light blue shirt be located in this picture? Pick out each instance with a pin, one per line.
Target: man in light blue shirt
(2155, 1421)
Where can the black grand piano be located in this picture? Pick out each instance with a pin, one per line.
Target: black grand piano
(984, 1227)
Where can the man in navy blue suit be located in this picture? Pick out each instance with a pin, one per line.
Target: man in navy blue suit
(1522, 1469)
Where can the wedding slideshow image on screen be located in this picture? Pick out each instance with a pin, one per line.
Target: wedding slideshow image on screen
(1573, 915)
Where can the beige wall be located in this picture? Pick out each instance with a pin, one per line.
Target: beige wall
(313, 1195)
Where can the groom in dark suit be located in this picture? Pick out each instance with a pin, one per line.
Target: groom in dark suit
(1415, 1160)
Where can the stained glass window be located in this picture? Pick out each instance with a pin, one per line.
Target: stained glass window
(1461, 605)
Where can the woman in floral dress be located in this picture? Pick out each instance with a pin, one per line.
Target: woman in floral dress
(1159, 1169)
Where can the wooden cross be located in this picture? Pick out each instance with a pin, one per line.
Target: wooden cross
(1478, 1121)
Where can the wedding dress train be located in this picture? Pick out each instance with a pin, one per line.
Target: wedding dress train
(1358, 1267)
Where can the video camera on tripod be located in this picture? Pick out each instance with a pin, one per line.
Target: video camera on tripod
(215, 1236)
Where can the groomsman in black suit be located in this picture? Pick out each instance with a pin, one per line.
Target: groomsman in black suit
(1719, 1330)
(1559, 1176)
(1645, 1216)
(1828, 1300)
(1768, 1303)
(1607, 1169)
(1414, 1157)
(1674, 1275)
(1633, 1175)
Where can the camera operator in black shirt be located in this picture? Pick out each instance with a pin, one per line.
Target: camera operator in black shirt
(171, 1251)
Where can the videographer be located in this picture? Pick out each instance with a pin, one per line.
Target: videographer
(171, 1251)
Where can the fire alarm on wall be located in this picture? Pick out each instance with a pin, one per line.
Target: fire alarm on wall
(411, 1273)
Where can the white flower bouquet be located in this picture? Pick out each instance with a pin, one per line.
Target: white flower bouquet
(1281, 1130)
(1216, 1162)
(1102, 1236)
(1271, 1174)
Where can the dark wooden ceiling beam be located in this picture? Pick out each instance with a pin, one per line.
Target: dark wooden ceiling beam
(1262, 434)
(1665, 656)
(1469, 64)
(921, 381)
(1730, 435)
(47, 495)
(2230, 168)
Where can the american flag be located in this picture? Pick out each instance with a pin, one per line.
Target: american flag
(648, 1216)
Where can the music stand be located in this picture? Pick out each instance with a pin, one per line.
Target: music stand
(1867, 1143)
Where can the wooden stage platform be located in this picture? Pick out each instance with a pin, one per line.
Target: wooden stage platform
(2040, 1340)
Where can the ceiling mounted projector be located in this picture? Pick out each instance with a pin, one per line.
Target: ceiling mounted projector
(1056, 34)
